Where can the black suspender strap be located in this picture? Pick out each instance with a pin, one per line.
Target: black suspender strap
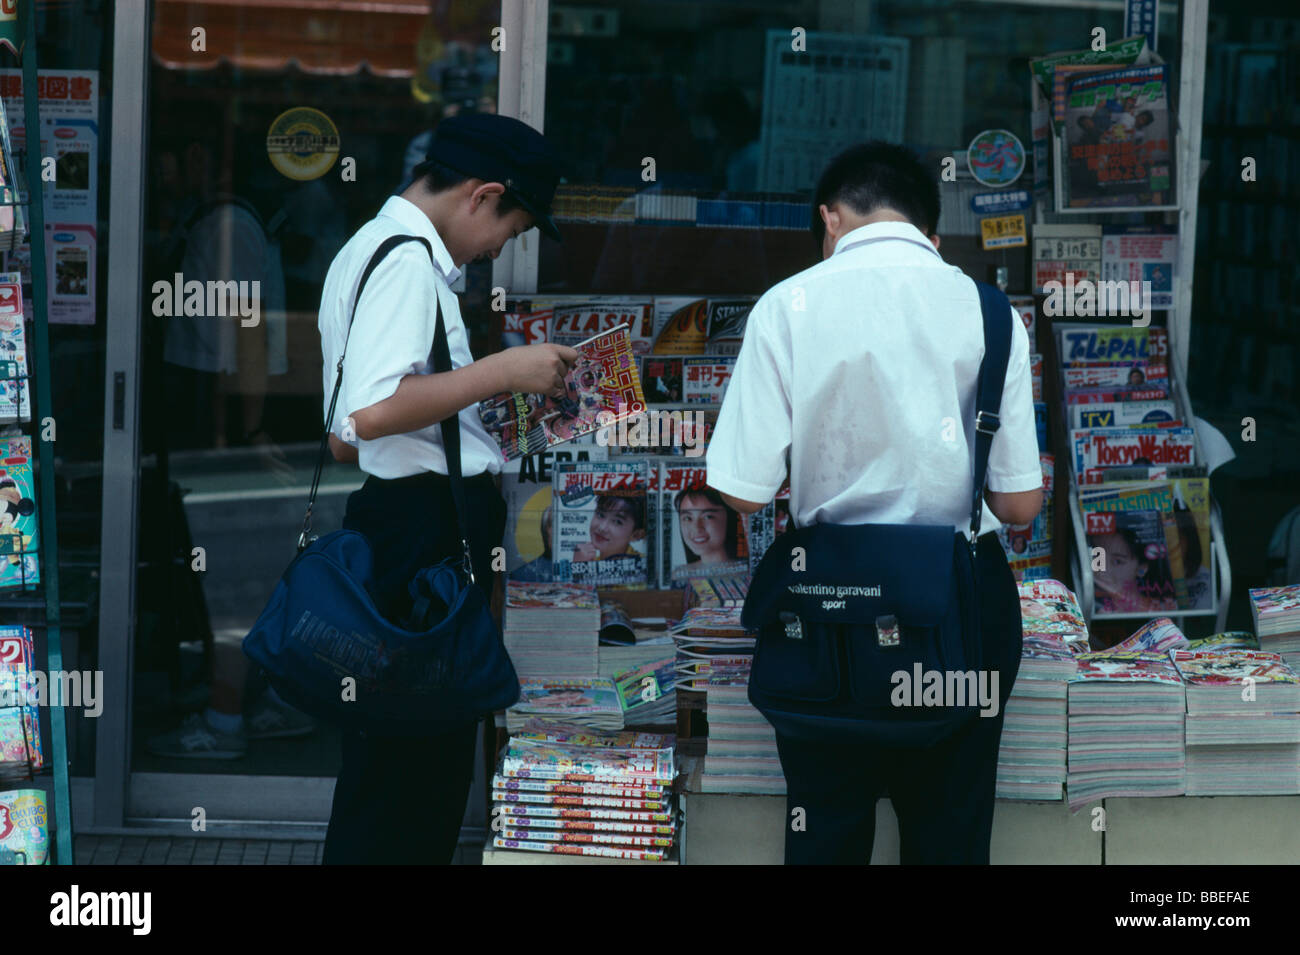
(996, 311)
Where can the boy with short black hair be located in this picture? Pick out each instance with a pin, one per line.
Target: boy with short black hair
(857, 377)
(486, 179)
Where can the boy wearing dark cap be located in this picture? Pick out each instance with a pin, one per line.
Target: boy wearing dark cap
(486, 179)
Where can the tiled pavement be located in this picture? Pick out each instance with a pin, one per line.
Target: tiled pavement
(208, 850)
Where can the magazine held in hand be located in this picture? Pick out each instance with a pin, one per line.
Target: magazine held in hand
(602, 388)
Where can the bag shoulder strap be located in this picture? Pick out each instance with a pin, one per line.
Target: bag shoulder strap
(996, 311)
(385, 247)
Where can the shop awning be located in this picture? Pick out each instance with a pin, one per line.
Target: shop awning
(332, 37)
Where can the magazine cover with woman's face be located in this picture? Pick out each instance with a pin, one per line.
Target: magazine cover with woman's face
(704, 536)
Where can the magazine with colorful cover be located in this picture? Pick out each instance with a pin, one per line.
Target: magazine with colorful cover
(550, 595)
(1112, 395)
(767, 524)
(532, 758)
(1130, 50)
(1088, 377)
(20, 733)
(673, 430)
(526, 487)
(602, 388)
(1123, 414)
(601, 523)
(702, 535)
(705, 378)
(584, 801)
(564, 787)
(637, 817)
(1125, 447)
(1130, 666)
(15, 395)
(574, 323)
(661, 378)
(1157, 497)
(19, 536)
(1112, 343)
(578, 736)
(523, 323)
(512, 821)
(1033, 540)
(616, 838)
(727, 317)
(1156, 636)
(1228, 640)
(1130, 562)
(645, 685)
(1131, 253)
(1048, 606)
(1231, 667)
(560, 848)
(1118, 140)
(576, 699)
(1189, 539)
(681, 325)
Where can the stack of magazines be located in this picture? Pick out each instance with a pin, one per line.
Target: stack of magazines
(551, 630)
(1243, 723)
(1031, 760)
(590, 703)
(648, 693)
(1126, 727)
(586, 794)
(1277, 620)
(714, 654)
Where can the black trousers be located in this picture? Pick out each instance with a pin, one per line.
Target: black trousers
(400, 800)
(943, 795)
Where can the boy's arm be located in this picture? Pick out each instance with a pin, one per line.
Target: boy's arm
(746, 459)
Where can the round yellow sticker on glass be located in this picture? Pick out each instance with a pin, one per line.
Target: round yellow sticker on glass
(302, 143)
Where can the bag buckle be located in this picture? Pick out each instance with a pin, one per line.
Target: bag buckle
(987, 422)
(887, 631)
(466, 562)
(793, 626)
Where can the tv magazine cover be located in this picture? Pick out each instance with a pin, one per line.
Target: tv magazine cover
(602, 388)
(600, 519)
(702, 535)
(1131, 565)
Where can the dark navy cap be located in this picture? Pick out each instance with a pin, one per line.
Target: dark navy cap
(502, 149)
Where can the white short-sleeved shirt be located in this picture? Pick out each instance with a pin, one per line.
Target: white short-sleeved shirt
(863, 368)
(392, 337)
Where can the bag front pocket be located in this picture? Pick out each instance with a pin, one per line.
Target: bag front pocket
(804, 668)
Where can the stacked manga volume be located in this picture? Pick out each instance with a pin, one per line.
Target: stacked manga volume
(714, 654)
(551, 630)
(1126, 713)
(1031, 760)
(592, 704)
(1243, 722)
(1276, 611)
(586, 794)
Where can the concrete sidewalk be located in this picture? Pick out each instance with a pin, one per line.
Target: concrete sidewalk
(211, 850)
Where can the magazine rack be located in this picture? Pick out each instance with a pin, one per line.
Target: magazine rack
(38, 350)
